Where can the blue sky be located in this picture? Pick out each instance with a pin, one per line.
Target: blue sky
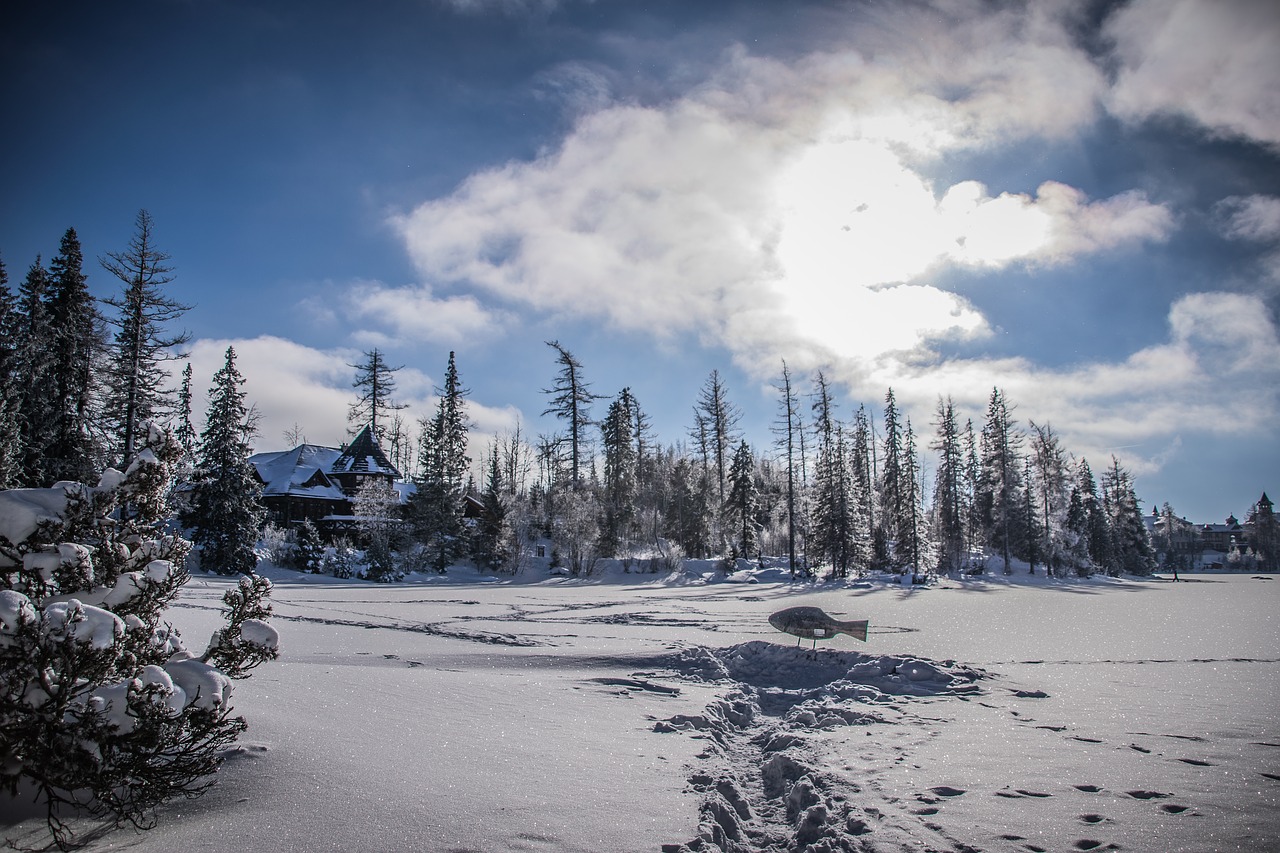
(1076, 201)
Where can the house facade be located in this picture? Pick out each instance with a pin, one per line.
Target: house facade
(319, 484)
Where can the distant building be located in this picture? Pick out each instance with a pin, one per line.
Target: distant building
(319, 484)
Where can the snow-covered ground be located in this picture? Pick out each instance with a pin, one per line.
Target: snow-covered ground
(644, 713)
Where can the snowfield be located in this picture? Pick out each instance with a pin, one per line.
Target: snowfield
(662, 713)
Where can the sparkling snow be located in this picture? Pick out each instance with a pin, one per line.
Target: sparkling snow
(467, 713)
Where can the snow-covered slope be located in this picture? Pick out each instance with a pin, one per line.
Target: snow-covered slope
(646, 712)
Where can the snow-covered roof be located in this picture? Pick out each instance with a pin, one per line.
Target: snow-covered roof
(302, 471)
(364, 456)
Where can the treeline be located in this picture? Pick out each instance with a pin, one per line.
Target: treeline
(79, 378)
(831, 494)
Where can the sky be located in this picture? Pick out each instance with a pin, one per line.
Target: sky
(1076, 202)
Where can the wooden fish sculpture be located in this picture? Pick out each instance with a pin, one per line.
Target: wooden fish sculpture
(812, 623)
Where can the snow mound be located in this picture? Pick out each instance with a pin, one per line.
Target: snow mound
(763, 664)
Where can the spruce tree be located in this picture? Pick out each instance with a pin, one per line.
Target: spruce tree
(1054, 492)
(948, 492)
(375, 382)
(893, 499)
(490, 545)
(1130, 543)
(135, 372)
(226, 510)
(1097, 527)
(719, 421)
(37, 405)
(76, 339)
(1000, 489)
(184, 431)
(619, 496)
(741, 502)
(10, 386)
(435, 508)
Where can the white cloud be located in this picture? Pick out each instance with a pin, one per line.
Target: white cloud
(1254, 217)
(777, 202)
(1214, 61)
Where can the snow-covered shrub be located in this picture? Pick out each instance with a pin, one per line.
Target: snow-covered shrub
(102, 708)
(308, 552)
(340, 560)
(278, 544)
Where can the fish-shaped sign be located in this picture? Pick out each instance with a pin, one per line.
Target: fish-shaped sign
(812, 623)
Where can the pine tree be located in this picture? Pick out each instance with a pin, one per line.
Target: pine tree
(10, 386)
(741, 502)
(135, 373)
(226, 510)
(76, 339)
(375, 382)
(619, 496)
(571, 400)
(436, 507)
(912, 538)
(831, 535)
(37, 405)
(862, 490)
(309, 556)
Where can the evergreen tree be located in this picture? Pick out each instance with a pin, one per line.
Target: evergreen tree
(1000, 489)
(1130, 543)
(862, 490)
(571, 400)
(948, 492)
(619, 497)
(37, 404)
(719, 423)
(309, 556)
(786, 428)
(973, 518)
(1053, 488)
(375, 383)
(135, 374)
(226, 510)
(10, 386)
(377, 507)
(436, 507)
(832, 534)
(184, 431)
(741, 504)
(1097, 527)
(75, 341)
(490, 544)
(913, 541)
(894, 508)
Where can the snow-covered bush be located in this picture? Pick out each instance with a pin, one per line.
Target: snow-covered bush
(308, 553)
(102, 708)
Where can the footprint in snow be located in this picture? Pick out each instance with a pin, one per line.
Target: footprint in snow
(1088, 789)
(1147, 795)
(1170, 808)
(1275, 776)
(1141, 749)
(1092, 818)
(1196, 762)
(947, 791)
(1084, 739)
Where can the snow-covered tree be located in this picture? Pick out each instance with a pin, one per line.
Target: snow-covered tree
(102, 707)
(308, 555)
(435, 509)
(740, 505)
(619, 488)
(377, 511)
(1000, 497)
(491, 545)
(786, 429)
(718, 419)
(1130, 543)
(135, 375)
(226, 511)
(1053, 487)
(949, 504)
(375, 384)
